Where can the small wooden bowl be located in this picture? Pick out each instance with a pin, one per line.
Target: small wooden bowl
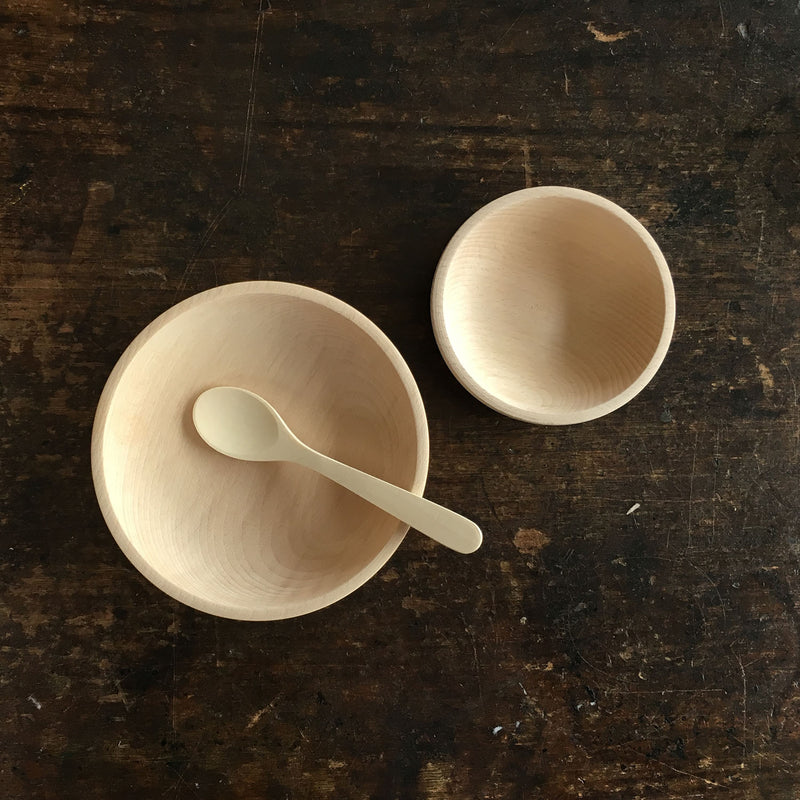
(553, 305)
(245, 540)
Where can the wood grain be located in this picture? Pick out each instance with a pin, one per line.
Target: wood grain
(642, 655)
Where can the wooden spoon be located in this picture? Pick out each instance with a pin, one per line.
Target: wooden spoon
(240, 424)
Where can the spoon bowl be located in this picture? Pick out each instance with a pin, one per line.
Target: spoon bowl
(240, 424)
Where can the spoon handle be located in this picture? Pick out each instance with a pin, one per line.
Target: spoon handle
(439, 523)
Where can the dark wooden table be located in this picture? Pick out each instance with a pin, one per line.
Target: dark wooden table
(152, 150)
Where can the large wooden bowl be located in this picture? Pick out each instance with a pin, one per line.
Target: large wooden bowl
(553, 305)
(245, 540)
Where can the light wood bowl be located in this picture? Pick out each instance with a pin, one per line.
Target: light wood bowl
(243, 540)
(553, 305)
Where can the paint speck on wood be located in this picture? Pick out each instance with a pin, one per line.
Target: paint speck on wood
(608, 38)
(530, 540)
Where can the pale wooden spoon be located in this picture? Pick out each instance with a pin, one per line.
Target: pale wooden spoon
(241, 424)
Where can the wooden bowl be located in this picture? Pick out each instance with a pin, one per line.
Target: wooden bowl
(553, 305)
(243, 540)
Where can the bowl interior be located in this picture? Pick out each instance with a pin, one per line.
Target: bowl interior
(553, 305)
(257, 540)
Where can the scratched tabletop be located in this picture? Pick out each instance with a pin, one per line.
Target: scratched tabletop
(630, 626)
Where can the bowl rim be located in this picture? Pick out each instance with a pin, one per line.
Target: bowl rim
(104, 407)
(531, 413)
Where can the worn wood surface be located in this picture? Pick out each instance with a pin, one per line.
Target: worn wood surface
(152, 150)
